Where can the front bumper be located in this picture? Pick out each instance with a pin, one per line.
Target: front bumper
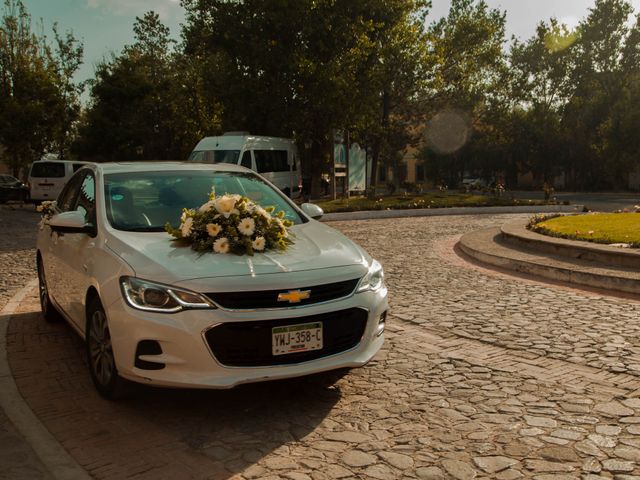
(189, 361)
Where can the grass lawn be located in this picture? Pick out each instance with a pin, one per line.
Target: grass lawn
(596, 227)
(426, 200)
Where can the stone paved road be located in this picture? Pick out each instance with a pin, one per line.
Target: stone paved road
(17, 239)
(482, 376)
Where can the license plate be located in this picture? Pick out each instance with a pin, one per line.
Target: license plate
(296, 338)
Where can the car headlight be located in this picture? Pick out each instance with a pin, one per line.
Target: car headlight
(374, 279)
(155, 297)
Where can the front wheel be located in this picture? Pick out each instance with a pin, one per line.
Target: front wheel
(49, 312)
(102, 365)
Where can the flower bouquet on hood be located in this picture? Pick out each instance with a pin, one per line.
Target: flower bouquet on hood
(47, 209)
(232, 224)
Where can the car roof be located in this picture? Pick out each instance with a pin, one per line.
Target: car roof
(61, 161)
(165, 166)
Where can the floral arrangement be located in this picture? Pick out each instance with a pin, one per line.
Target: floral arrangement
(47, 209)
(232, 224)
(539, 218)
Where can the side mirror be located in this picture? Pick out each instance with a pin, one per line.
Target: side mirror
(314, 211)
(71, 222)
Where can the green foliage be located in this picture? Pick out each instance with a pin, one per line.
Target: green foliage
(38, 98)
(426, 200)
(467, 67)
(147, 103)
(564, 101)
(561, 102)
(309, 67)
(605, 228)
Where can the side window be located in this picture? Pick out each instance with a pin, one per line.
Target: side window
(86, 202)
(263, 163)
(280, 161)
(271, 160)
(197, 156)
(246, 159)
(67, 198)
(77, 166)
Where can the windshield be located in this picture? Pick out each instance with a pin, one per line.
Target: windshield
(146, 201)
(215, 156)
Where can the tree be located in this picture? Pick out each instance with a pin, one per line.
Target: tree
(68, 54)
(33, 85)
(466, 66)
(606, 57)
(148, 102)
(308, 68)
(541, 83)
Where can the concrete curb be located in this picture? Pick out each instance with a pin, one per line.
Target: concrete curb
(52, 455)
(517, 234)
(484, 246)
(432, 212)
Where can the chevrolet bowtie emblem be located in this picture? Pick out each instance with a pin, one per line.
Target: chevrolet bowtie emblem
(294, 296)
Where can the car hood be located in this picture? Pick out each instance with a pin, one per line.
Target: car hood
(153, 256)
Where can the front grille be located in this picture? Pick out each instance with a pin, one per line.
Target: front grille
(269, 298)
(248, 344)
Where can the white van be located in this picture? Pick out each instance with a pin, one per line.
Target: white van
(276, 159)
(47, 177)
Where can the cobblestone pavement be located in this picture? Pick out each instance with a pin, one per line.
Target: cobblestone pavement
(17, 224)
(482, 376)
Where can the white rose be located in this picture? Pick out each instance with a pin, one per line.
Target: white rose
(186, 227)
(226, 205)
(207, 206)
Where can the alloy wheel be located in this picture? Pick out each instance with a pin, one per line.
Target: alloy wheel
(100, 351)
(44, 292)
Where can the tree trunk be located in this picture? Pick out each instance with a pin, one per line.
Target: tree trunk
(378, 143)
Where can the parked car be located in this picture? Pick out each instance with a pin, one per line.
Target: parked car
(474, 182)
(12, 189)
(153, 311)
(48, 177)
(275, 158)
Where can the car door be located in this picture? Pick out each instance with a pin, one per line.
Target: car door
(76, 251)
(56, 281)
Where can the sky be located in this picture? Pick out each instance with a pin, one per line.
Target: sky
(105, 26)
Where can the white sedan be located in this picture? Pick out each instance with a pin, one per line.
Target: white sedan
(156, 312)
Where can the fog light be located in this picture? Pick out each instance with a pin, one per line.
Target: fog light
(381, 323)
(147, 348)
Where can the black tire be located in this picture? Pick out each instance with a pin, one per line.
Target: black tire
(49, 312)
(100, 358)
(287, 192)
